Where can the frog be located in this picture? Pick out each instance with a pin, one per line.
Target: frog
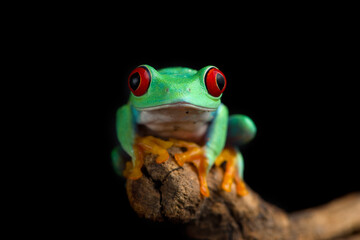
(181, 107)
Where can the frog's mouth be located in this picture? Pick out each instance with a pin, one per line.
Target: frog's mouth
(179, 105)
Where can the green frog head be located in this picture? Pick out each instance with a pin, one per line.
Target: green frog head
(153, 88)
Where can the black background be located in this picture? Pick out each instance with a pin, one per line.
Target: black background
(296, 81)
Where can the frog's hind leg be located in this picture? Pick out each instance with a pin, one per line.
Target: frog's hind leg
(241, 130)
(118, 160)
(239, 163)
(239, 175)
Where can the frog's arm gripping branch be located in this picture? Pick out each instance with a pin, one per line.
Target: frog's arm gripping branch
(216, 137)
(125, 129)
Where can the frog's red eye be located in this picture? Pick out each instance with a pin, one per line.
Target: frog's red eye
(215, 82)
(139, 81)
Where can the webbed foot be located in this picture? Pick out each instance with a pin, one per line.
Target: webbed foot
(195, 155)
(231, 172)
(142, 146)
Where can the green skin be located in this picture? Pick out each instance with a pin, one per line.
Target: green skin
(170, 86)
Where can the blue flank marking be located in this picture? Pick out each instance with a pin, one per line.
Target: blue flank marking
(135, 114)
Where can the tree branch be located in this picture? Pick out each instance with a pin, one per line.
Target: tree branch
(167, 192)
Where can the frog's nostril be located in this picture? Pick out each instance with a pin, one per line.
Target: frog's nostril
(167, 90)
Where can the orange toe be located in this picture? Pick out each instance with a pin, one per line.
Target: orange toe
(142, 146)
(134, 172)
(228, 155)
(155, 146)
(196, 155)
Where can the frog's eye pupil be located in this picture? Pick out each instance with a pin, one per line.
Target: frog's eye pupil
(139, 80)
(220, 80)
(134, 81)
(215, 82)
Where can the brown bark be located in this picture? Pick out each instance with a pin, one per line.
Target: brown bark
(167, 192)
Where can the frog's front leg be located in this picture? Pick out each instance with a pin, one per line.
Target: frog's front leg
(204, 157)
(125, 131)
(136, 147)
(124, 168)
(241, 130)
(234, 168)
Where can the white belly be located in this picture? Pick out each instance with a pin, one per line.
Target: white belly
(181, 121)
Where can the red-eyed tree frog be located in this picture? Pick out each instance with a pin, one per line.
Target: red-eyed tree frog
(182, 107)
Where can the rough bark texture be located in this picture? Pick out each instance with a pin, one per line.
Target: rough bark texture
(167, 192)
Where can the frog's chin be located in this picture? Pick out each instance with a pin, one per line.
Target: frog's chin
(180, 120)
(179, 105)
